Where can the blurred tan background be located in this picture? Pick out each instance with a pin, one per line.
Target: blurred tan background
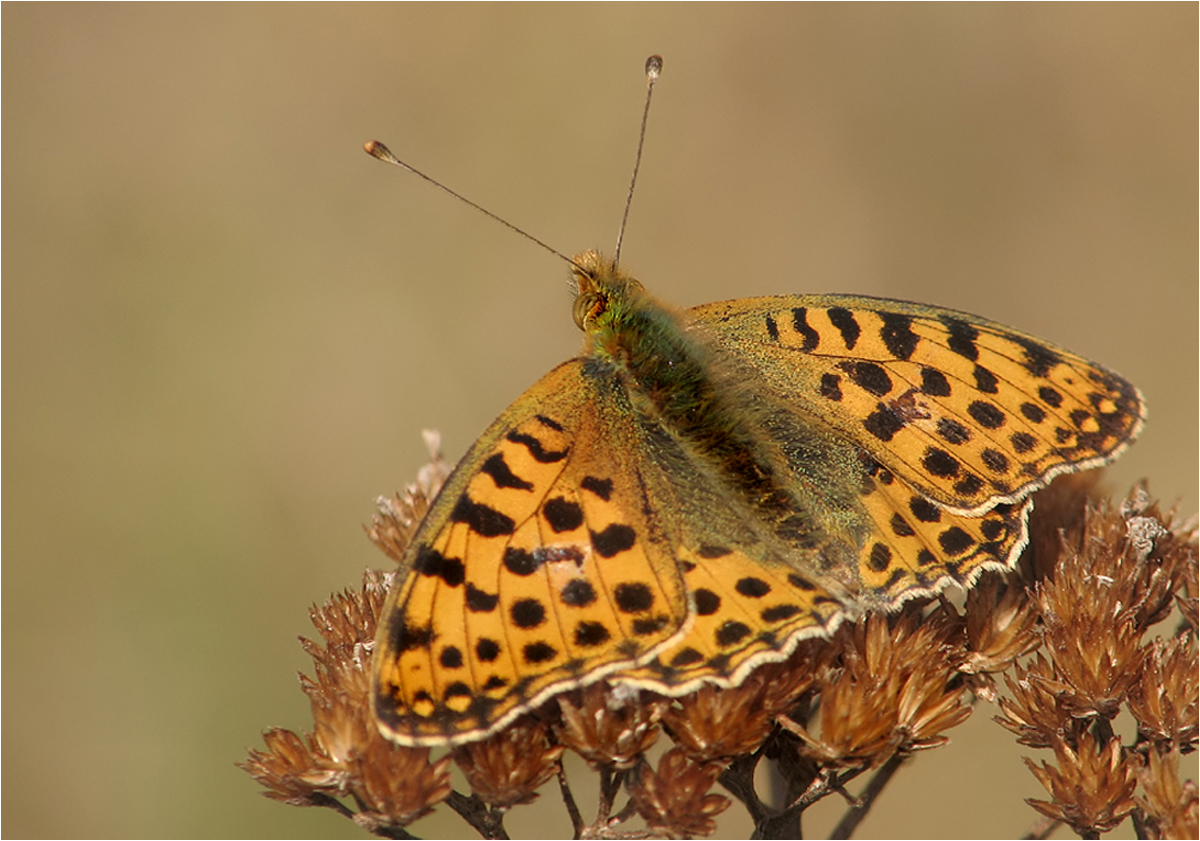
(224, 325)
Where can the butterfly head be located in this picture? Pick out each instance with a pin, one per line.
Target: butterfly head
(602, 291)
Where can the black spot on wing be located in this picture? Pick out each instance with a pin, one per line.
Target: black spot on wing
(527, 613)
(539, 652)
(754, 588)
(831, 387)
(732, 632)
(897, 334)
(846, 324)
(539, 452)
(952, 431)
(686, 657)
(994, 460)
(1033, 412)
(502, 474)
(1050, 396)
(481, 519)
(480, 601)
(433, 563)
(800, 323)
(578, 592)
(934, 383)
(772, 329)
(591, 634)
(562, 514)
(883, 423)
(900, 526)
(646, 627)
(955, 541)
(602, 488)
(962, 337)
(924, 510)
(986, 414)
(707, 602)
(868, 376)
(487, 650)
(939, 462)
(985, 380)
(614, 539)
(880, 557)
(1022, 442)
(405, 637)
(633, 597)
(968, 485)
(780, 612)
(1039, 359)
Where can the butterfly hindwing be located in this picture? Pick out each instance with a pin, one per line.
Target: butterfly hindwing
(539, 567)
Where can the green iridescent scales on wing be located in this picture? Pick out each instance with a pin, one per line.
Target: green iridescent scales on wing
(700, 490)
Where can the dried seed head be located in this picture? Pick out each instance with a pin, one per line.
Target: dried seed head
(397, 519)
(893, 692)
(396, 785)
(292, 770)
(1164, 698)
(674, 800)
(512, 765)
(717, 723)
(1034, 708)
(1169, 805)
(346, 755)
(609, 727)
(1091, 787)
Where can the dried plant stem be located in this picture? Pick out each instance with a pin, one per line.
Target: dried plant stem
(738, 780)
(610, 784)
(570, 804)
(858, 810)
(333, 803)
(1043, 829)
(488, 822)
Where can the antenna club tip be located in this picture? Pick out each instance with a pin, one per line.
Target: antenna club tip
(654, 66)
(377, 150)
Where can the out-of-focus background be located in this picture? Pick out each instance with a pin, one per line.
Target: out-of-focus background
(224, 326)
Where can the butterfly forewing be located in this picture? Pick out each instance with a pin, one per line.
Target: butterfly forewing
(968, 412)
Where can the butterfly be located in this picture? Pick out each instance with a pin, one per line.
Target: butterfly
(699, 490)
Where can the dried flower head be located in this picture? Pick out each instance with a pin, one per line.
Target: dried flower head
(397, 518)
(512, 765)
(712, 723)
(1091, 786)
(346, 756)
(675, 799)
(893, 692)
(607, 725)
(1000, 618)
(1169, 805)
(1164, 698)
(1034, 709)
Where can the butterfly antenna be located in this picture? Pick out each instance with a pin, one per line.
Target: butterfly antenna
(654, 66)
(377, 150)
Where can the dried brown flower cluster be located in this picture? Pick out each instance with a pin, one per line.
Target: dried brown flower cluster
(1093, 583)
(1113, 575)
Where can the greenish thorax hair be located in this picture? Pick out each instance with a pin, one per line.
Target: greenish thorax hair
(726, 416)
